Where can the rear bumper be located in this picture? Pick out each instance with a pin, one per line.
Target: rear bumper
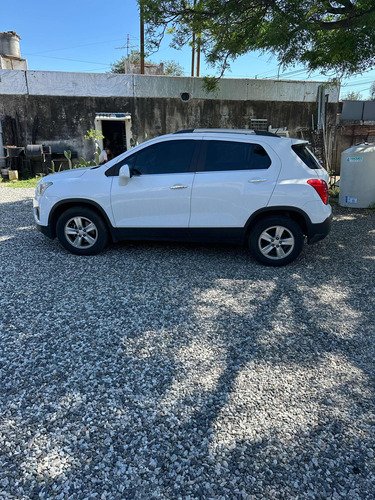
(46, 230)
(317, 232)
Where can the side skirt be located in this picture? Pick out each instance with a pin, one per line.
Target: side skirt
(229, 235)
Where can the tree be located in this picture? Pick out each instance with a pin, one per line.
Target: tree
(171, 68)
(353, 96)
(321, 34)
(134, 58)
(372, 92)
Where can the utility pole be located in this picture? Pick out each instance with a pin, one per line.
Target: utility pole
(142, 27)
(193, 49)
(198, 54)
(193, 55)
(128, 46)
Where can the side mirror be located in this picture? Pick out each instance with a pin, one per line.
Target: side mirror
(124, 175)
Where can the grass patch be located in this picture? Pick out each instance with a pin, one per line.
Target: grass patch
(27, 183)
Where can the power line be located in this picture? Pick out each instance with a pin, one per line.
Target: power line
(73, 60)
(348, 84)
(72, 47)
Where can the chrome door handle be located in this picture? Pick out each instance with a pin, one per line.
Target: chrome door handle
(178, 186)
(254, 181)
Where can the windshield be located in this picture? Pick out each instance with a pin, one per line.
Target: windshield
(303, 152)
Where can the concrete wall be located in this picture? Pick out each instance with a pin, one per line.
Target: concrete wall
(57, 109)
(143, 86)
(62, 121)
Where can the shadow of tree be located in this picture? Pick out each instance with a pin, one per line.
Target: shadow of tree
(163, 370)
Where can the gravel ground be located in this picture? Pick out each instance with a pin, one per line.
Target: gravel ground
(180, 371)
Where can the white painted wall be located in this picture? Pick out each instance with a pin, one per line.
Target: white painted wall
(113, 85)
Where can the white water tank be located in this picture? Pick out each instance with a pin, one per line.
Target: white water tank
(357, 176)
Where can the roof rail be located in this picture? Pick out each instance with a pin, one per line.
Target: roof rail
(226, 131)
(265, 132)
(184, 131)
(246, 131)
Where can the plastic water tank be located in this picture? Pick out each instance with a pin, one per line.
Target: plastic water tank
(357, 176)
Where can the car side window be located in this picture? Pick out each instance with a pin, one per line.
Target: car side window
(227, 155)
(166, 157)
(115, 169)
(260, 159)
(230, 155)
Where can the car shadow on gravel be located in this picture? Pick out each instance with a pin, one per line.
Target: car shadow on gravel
(171, 370)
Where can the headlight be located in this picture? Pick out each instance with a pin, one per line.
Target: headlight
(41, 187)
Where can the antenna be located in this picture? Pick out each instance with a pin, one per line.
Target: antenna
(127, 47)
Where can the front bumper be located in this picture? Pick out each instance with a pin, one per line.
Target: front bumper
(317, 232)
(46, 230)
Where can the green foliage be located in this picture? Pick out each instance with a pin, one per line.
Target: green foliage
(353, 96)
(119, 65)
(134, 58)
(93, 135)
(26, 183)
(334, 192)
(86, 163)
(329, 36)
(172, 68)
(53, 167)
(210, 84)
(68, 156)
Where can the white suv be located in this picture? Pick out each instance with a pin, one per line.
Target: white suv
(234, 186)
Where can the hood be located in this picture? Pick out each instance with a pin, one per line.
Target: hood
(65, 174)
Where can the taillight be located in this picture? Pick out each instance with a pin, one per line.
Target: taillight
(321, 188)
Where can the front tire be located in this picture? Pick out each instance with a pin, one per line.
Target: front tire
(82, 231)
(276, 240)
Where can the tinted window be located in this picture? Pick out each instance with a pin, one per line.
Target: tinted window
(260, 159)
(227, 155)
(165, 157)
(116, 168)
(306, 156)
(130, 160)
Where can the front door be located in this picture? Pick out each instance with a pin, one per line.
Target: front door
(158, 194)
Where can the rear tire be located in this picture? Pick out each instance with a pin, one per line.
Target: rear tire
(82, 231)
(276, 240)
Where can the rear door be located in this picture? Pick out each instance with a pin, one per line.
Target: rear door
(234, 178)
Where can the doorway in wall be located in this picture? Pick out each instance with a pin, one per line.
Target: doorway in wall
(114, 132)
(116, 128)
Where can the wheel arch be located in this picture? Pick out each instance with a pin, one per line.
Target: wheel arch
(61, 206)
(296, 214)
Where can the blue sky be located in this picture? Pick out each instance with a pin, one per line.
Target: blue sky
(86, 37)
